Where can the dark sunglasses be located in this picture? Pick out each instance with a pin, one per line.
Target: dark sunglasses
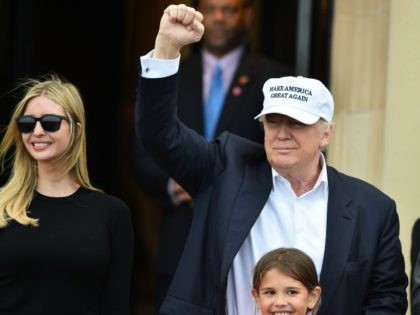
(49, 122)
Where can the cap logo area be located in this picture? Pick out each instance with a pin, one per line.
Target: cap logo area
(304, 99)
(293, 92)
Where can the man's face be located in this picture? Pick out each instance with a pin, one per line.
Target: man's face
(226, 23)
(292, 148)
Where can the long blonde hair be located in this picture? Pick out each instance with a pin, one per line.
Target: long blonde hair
(16, 195)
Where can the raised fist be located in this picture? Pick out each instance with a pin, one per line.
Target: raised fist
(179, 26)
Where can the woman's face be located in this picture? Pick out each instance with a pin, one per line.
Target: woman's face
(46, 146)
(280, 294)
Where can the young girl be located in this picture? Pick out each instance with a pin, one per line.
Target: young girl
(66, 247)
(285, 282)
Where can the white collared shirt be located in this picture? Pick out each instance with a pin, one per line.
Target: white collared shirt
(285, 221)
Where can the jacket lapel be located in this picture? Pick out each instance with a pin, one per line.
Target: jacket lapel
(341, 221)
(252, 197)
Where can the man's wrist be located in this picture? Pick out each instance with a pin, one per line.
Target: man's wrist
(165, 47)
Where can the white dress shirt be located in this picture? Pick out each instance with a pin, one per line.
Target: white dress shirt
(285, 221)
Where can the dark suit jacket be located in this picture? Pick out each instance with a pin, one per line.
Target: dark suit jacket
(242, 103)
(415, 268)
(415, 242)
(415, 292)
(230, 179)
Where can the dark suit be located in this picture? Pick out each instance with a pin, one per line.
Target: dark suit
(415, 285)
(415, 242)
(243, 101)
(230, 180)
(415, 268)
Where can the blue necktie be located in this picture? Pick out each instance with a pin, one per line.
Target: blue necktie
(214, 104)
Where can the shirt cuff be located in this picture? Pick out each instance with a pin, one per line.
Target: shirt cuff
(170, 188)
(153, 68)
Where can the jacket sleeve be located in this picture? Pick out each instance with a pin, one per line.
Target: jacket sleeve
(180, 151)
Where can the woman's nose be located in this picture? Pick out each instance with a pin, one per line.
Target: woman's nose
(38, 128)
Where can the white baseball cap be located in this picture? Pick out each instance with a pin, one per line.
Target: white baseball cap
(303, 99)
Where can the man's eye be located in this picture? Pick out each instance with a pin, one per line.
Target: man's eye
(297, 124)
(229, 11)
(272, 121)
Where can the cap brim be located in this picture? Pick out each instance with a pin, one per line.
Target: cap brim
(292, 112)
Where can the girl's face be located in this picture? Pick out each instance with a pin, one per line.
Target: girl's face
(280, 294)
(42, 145)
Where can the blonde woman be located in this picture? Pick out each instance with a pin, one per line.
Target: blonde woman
(65, 246)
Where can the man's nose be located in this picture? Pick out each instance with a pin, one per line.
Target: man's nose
(217, 14)
(283, 130)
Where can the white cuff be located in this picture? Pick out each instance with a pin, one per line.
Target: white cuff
(170, 188)
(153, 68)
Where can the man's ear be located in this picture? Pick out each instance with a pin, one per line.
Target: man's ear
(327, 135)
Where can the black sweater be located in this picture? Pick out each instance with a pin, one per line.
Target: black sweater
(78, 261)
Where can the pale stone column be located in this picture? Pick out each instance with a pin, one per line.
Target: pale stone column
(358, 83)
(375, 80)
(401, 160)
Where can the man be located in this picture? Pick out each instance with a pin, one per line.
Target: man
(415, 268)
(249, 199)
(227, 23)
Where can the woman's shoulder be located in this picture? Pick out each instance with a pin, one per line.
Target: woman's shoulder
(101, 209)
(101, 199)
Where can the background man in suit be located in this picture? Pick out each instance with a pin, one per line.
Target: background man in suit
(415, 268)
(224, 45)
(415, 286)
(249, 199)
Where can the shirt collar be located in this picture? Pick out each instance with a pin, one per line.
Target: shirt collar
(322, 178)
(230, 59)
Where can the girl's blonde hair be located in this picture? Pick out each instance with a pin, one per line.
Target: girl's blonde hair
(16, 195)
